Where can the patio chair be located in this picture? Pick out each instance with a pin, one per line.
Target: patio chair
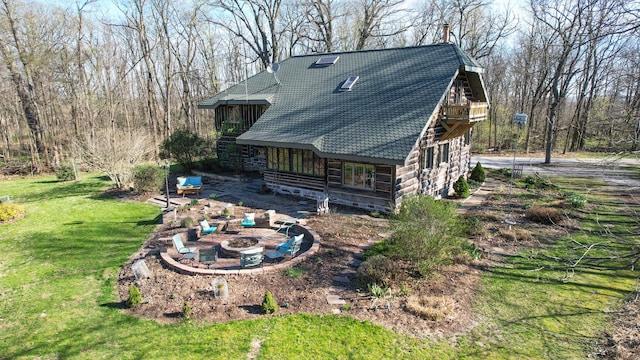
(292, 246)
(179, 245)
(252, 257)
(249, 219)
(206, 228)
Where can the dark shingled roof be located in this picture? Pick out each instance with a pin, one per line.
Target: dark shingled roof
(379, 120)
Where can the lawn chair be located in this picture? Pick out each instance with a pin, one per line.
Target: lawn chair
(179, 245)
(292, 246)
(249, 219)
(206, 228)
(252, 257)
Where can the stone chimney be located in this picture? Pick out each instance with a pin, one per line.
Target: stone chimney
(446, 33)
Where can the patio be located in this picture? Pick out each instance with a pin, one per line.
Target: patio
(228, 263)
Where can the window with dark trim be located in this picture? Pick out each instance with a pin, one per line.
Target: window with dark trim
(359, 175)
(295, 160)
(427, 157)
(443, 154)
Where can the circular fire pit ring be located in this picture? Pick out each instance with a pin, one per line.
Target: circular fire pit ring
(233, 246)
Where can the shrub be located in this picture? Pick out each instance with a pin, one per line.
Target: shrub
(193, 202)
(9, 211)
(147, 178)
(576, 200)
(269, 304)
(461, 188)
(431, 307)
(65, 173)
(184, 146)
(135, 297)
(478, 174)
(187, 222)
(377, 291)
(186, 311)
(377, 269)
(544, 215)
(426, 232)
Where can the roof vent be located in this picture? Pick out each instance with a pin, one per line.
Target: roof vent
(327, 60)
(348, 84)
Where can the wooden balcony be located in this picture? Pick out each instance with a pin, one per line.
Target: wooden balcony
(458, 119)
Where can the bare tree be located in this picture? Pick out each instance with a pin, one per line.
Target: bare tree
(116, 152)
(256, 23)
(377, 19)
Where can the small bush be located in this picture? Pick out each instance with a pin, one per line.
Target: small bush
(193, 202)
(474, 226)
(345, 307)
(213, 196)
(269, 304)
(377, 291)
(461, 187)
(576, 200)
(377, 269)
(431, 307)
(426, 232)
(135, 297)
(544, 215)
(186, 311)
(478, 174)
(65, 173)
(187, 222)
(9, 211)
(147, 178)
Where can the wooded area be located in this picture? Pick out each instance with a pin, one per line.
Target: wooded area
(80, 78)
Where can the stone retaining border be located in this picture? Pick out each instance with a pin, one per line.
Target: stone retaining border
(189, 270)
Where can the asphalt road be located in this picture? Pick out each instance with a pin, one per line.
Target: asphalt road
(614, 170)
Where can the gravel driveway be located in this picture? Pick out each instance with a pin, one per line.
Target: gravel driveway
(614, 170)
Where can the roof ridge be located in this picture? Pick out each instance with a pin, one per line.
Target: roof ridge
(372, 50)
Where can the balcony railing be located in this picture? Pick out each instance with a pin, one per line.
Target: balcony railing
(474, 111)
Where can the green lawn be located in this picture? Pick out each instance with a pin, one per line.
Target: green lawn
(58, 266)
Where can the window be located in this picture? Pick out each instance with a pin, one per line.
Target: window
(348, 84)
(428, 158)
(443, 155)
(359, 175)
(327, 60)
(295, 160)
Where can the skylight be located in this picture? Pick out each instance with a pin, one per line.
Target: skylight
(327, 60)
(348, 84)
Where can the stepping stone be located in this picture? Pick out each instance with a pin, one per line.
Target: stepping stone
(337, 288)
(341, 279)
(355, 262)
(335, 300)
(348, 272)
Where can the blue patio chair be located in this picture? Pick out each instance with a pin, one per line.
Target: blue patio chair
(206, 228)
(292, 246)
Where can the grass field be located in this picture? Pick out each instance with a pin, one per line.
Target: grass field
(58, 265)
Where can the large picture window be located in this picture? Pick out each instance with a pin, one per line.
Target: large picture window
(359, 175)
(295, 161)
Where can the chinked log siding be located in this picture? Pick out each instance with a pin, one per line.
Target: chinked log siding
(294, 180)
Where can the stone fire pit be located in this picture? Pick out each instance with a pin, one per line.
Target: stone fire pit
(233, 246)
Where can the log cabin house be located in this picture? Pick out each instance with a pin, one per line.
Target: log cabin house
(362, 128)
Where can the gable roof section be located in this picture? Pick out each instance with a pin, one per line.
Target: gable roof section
(379, 120)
